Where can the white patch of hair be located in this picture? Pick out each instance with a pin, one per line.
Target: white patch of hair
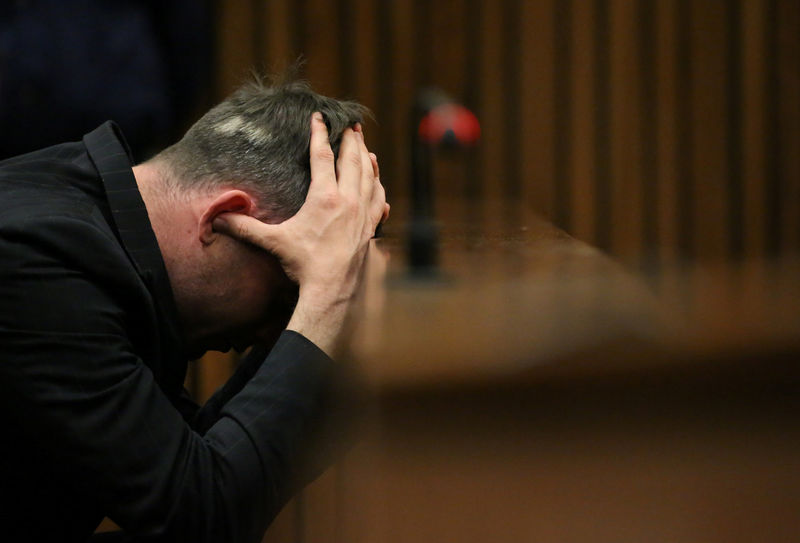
(255, 134)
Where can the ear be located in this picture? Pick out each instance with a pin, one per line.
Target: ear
(227, 201)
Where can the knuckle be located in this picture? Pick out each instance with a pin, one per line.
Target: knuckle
(351, 204)
(323, 154)
(380, 191)
(329, 199)
(353, 157)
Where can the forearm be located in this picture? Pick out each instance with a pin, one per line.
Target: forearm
(209, 413)
(263, 431)
(320, 317)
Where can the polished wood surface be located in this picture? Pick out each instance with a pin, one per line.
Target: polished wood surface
(514, 294)
(511, 291)
(536, 390)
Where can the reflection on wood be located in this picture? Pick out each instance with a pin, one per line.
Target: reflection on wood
(507, 296)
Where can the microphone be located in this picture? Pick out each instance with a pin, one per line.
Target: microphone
(436, 122)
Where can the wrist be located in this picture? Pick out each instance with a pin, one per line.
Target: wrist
(320, 317)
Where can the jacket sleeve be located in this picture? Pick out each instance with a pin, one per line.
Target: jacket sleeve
(206, 415)
(71, 378)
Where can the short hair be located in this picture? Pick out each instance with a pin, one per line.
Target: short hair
(258, 139)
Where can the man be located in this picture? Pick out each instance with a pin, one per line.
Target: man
(112, 276)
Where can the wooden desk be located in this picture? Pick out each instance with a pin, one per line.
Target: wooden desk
(540, 392)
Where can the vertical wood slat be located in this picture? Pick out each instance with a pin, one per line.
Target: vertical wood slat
(708, 42)
(733, 127)
(471, 92)
(384, 52)
(582, 160)
(667, 111)
(772, 141)
(753, 126)
(445, 21)
(494, 106)
(603, 216)
(276, 36)
(626, 174)
(512, 87)
(563, 108)
(423, 45)
(648, 131)
(363, 78)
(493, 101)
(348, 38)
(235, 32)
(684, 121)
(537, 107)
(321, 42)
(401, 78)
(789, 80)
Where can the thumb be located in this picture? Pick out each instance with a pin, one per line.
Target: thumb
(249, 230)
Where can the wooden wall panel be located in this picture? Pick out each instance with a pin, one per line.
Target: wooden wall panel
(400, 81)
(663, 128)
(709, 130)
(445, 67)
(537, 107)
(323, 36)
(582, 189)
(236, 31)
(666, 97)
(753, 126)
(624, 208)
(788, 35)
(659, 130)
(275, 39)
(492, 107)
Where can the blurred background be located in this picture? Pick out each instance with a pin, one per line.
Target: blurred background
(654, 129)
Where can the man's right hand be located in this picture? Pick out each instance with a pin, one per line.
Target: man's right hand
(323, 247)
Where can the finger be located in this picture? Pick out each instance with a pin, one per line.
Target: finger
(378, 205)
(375, 168)
(249, 230)
(368, 176)
(323, 169)
(350, 164)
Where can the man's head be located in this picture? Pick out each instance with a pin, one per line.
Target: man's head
(257, 140)
(249, 154)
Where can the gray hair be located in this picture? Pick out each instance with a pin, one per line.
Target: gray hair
(257, 139)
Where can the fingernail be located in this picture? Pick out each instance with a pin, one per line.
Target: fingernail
(318, 116)
(357, 127)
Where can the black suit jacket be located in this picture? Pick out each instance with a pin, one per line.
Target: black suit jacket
(93, 418)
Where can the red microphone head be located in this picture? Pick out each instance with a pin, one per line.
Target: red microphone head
(450, 124)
